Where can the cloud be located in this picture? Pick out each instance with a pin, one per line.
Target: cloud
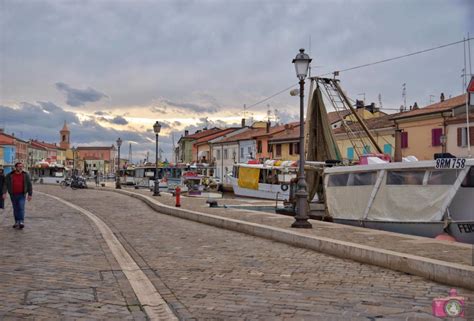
(194, 108)
(78, 97)
(101, 113)
(119, 120)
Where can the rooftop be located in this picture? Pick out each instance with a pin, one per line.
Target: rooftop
(441, 106)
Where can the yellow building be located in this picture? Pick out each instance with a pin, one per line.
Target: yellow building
(61, 156)
(425, 130)
(382, 129)
(284, 145)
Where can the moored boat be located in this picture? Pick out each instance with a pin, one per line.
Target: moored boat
(424, 198)
(270, 180)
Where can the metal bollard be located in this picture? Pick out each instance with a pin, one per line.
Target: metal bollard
(178, 196)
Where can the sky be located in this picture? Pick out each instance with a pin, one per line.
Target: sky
(112, 68)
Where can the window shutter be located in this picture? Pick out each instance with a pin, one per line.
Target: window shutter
(404, 139)
(436, 136)
(290, 148)
(471, 135)
(460, 136)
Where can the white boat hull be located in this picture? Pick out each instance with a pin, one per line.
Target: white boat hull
(264, 191)
(461, 231)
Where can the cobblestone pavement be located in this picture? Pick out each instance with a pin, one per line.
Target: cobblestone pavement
(59, 268)
(425, 247)
(206, 273)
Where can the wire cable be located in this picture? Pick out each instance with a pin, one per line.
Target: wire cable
(366, 65)
(398, 57)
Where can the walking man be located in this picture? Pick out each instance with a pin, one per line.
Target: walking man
(2, 178)
(18, 184)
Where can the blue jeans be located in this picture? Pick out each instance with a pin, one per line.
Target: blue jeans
(18, 202)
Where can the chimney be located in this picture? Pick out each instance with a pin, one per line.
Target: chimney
(186, 132)
(268, 127)
(415, 106)
(441, 98)
(243, 122)
(1, 130)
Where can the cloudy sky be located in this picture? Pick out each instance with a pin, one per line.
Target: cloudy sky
(112, 68)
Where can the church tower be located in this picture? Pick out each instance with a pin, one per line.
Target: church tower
(64, 140)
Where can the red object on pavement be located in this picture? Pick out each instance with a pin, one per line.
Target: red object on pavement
(445, 237)
(178, 196)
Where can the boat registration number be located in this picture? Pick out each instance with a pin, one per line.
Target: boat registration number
(450, 163)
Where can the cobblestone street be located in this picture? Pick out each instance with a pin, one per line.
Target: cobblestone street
(59, 267)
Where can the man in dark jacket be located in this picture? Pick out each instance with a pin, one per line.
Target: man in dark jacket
(18, 184)
(2, 178)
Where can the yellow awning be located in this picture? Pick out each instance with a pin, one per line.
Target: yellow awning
(248, 177)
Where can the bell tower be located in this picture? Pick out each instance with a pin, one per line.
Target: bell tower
(64, 139)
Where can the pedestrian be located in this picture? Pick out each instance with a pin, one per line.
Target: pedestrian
(2, 179)
(18, 185)
(97, 179)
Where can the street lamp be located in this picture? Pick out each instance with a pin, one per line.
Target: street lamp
(117, 176)
(443, 140)
(156, 188)
(301, 62)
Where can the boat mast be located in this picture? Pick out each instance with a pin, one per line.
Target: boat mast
(360, 120)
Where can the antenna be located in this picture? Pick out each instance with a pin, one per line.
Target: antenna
(245, 111)
(432, 99)
(277, 118)
(469, 52)
(404, 95)
(309, 70)
(269, 112)
(380, 101)
(464, 69)
(363, 95)
(130, 153)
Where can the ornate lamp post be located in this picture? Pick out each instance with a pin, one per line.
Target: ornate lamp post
(301, 62)
(156, 188)
(117, 176)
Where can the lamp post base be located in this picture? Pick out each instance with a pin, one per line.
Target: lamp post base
(156, 189)
(301, 223)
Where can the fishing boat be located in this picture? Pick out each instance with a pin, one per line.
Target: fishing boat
(270, 180)
(198, 185)
(424, 198)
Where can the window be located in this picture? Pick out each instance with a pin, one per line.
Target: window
(361, 179)
(350, 153)
(278, 150)
(404, 141)
(436, 134)
(462, 136)
(218, 154)
(249, 150)
(290, 149)
(405, 177)
(270, 148)
(259, 146)
(338, 180)
(297, 148)
(241, 152)
(225, 154)
(447, 177)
